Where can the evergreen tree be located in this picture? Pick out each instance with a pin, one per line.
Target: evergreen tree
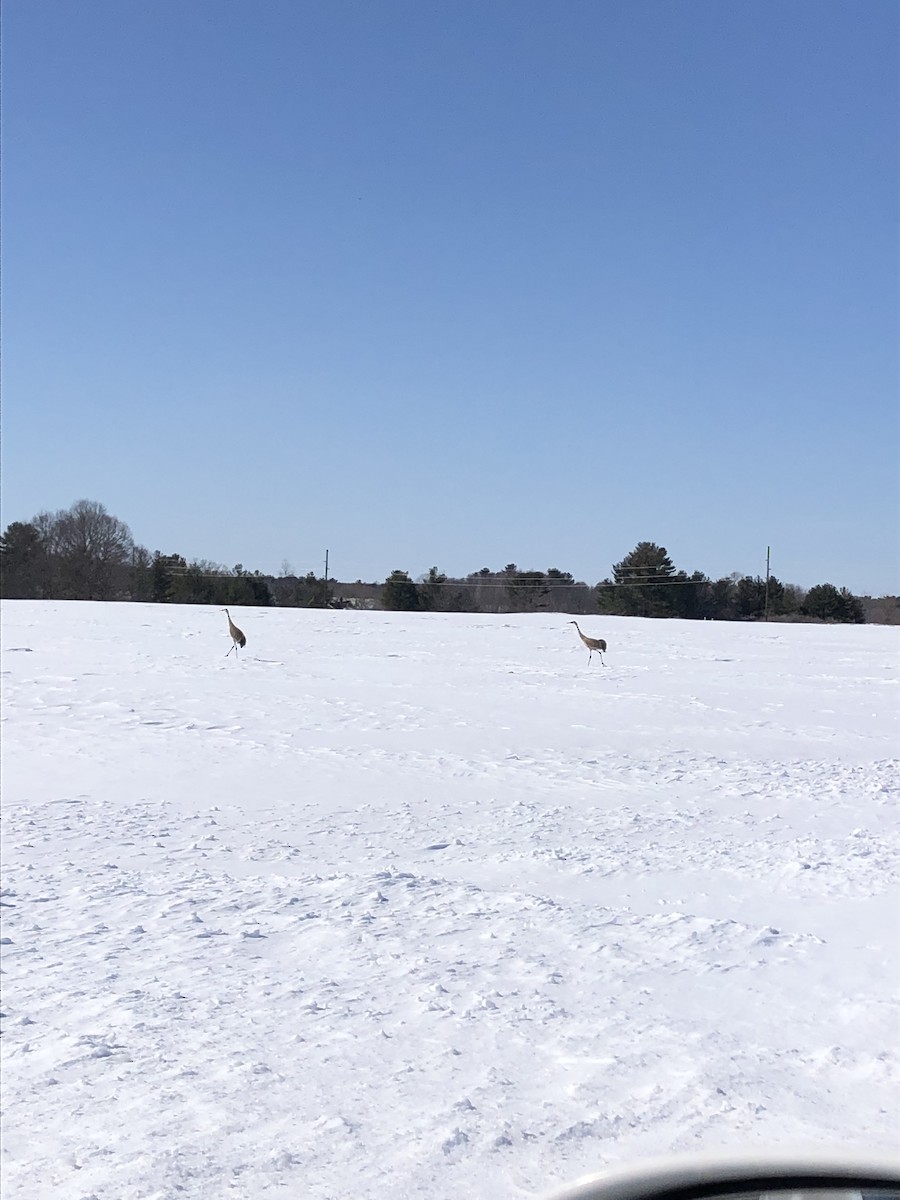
(693, 597)
(248, 587)
(437, 594)
(724, 603)
(162, 575)
(854, 612)
(642, 584)
(22, 562)
(526, 590)
(400, 594)
(825, 603)
(430, 599)
(291, 591)
(776, 597)
(750, 597)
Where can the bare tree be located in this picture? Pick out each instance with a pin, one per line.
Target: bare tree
(93, 546)
(141, 574)
(51, 583)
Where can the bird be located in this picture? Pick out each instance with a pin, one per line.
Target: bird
(592, 644)
(237, 636)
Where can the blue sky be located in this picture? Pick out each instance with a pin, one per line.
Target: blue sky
(458, 283)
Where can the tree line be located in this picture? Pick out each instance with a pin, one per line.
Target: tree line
(644, 584)
(85, 553)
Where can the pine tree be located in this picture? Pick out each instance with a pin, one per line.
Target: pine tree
(642, 584)
(400, 594)
(22, 559)
(826, 603)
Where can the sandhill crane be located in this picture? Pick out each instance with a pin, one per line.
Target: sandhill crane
(237, 636)
(592, 644)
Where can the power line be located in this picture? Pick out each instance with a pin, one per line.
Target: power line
(532, 584)
(555, 584)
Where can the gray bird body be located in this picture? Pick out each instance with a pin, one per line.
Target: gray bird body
(237, 635)
(598, 644)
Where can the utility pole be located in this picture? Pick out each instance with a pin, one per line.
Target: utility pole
(768, 552)
(325, 597)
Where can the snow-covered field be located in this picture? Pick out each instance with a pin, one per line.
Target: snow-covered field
(408, 905)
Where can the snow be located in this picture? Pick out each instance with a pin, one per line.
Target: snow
(402, 905)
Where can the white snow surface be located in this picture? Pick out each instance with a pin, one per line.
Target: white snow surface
(401, 905)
